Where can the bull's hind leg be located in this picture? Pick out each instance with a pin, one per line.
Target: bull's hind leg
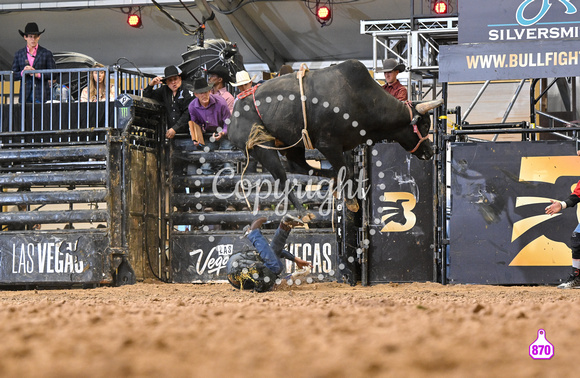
(271, 161)
(296, 155)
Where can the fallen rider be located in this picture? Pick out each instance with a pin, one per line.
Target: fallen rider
(259, 269)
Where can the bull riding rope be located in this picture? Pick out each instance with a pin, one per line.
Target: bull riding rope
(305, 137)
(259, 135)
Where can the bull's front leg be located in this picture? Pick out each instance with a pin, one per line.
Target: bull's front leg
(343, 167)
(271, 162)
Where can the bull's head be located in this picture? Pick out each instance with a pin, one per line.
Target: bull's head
(418, 143)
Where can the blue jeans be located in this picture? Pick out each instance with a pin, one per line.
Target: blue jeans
(222, 144)
(270, 253)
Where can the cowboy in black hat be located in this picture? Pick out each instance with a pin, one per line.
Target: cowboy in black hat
(174, 97)
(219, 76)
(393, 86)
(36, 87)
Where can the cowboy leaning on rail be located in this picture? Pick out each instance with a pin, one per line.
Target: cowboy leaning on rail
(33, 57)
(174, 97)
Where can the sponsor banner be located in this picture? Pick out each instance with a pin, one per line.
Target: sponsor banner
(401, 210)
(124, 103)
(498, 230)
(203, 258)
(518, 60)
(53, 258)
(518, 20)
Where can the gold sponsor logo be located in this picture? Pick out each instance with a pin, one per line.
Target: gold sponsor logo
(397, 211)
(543, 251)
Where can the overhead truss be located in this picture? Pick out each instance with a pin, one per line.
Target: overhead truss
(415, 42)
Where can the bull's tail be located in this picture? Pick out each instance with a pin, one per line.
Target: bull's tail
(258, 135)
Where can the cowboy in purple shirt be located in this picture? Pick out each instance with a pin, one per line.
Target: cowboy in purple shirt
(211, 113)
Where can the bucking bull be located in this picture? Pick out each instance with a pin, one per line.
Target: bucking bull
(344, 107)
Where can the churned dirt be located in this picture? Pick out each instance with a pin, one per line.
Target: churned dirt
(309, 330)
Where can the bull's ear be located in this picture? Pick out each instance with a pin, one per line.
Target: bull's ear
(424, 107)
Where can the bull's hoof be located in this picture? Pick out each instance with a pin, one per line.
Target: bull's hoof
(352, 205)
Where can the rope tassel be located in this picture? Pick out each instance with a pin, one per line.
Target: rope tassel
(258, 135)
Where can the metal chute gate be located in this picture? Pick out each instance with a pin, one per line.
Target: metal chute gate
(206, 214)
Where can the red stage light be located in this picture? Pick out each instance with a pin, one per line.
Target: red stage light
(134, 20)
(440, 7)
(323, 13)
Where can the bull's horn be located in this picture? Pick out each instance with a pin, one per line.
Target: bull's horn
(424, 107)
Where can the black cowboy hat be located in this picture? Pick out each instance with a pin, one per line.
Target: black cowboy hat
(170, 71)
(391, 65)
(31, 28)
(200, 85)
(222, 72)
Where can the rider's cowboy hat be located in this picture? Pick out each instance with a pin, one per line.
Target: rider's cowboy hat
(31, 28)
(243, 77)
(391, 65)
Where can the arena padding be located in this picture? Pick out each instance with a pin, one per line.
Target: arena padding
(203, 257)
(400, 221)
(498, 231)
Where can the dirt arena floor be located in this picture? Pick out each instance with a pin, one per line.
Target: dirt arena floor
(155, 329)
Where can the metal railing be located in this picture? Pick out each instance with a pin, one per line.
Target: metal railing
(562, 128)
(52, 100)
(59, 152)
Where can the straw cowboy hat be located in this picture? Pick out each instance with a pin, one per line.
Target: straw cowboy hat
(31, 28)
(170, 71)
(243, 77)
(391, 65)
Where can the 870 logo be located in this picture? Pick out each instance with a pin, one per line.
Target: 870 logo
(541, 349)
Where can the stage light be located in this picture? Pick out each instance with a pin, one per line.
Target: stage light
(322, 10)
(323, 13)
(440, 7)
(134, 20)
